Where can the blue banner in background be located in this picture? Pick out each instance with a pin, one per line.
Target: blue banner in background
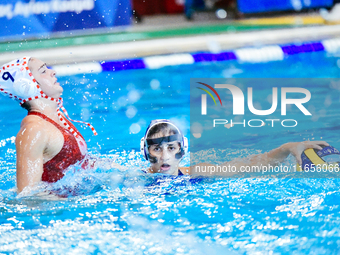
(257, 6)
(33, 18)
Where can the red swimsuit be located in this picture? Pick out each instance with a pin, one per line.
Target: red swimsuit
(69, 154)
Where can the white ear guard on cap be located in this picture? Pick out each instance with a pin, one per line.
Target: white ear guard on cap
(18, 83)
(143, 142)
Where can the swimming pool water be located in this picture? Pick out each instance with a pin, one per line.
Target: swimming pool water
(128, 212)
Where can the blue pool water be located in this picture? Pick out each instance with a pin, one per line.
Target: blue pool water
(127, 212)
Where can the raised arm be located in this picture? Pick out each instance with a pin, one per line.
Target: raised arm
(30, 145)
(276, 156)
(271, 158)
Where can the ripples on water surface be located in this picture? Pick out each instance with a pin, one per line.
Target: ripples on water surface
(127, 212)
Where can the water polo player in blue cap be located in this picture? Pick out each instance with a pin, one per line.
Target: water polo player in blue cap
(164, 146)
(47, 142)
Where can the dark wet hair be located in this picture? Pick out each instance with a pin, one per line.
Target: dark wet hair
(165, 128)
(26, 106)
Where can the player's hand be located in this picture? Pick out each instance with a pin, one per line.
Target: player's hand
(297, 148)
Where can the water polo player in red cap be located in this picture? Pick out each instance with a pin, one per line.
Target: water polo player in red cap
(47, 142)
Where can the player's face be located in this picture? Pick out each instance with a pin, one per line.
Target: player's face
(165, 154)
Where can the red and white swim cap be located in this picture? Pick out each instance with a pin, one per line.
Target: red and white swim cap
(17, 82)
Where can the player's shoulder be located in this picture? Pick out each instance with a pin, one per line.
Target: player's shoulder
(185, 170)
(31, 128)
(33, 123)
